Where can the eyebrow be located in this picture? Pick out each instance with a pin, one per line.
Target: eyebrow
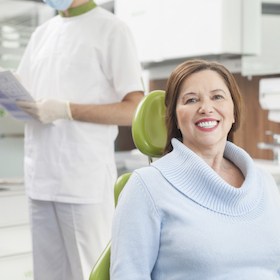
(218, 89)
(212, 91)
(188, 93)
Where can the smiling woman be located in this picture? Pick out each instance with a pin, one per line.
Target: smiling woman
(227, 87)
(205, 202)
(204, 110)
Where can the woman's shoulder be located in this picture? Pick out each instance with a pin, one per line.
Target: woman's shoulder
(148, 173)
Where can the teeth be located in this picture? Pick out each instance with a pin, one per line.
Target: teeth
(209, 124)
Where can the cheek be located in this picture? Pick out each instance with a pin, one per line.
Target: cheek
(232, 112)
(232, 115)
(178, 117)
(182, 117)
(228, 112)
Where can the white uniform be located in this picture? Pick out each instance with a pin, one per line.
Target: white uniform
(90, 58)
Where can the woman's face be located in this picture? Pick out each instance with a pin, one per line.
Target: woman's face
(205, 111)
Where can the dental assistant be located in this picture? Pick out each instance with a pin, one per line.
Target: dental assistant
(81, 68)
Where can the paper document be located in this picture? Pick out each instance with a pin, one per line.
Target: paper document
(11, 90)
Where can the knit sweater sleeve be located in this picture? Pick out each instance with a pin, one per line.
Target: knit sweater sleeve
(136, 233)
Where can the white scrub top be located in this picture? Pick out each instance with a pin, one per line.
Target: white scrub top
(90, 58)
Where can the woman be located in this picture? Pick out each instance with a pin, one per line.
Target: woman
(204, 210)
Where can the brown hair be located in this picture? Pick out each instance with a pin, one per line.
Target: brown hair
(174, 82)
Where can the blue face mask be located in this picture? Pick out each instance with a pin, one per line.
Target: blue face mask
(60, 5)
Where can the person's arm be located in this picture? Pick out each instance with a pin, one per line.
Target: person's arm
(135, 233)
(120, 113)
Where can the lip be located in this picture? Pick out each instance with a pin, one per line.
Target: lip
(207, 120)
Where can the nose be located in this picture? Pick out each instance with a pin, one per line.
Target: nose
(205, 107)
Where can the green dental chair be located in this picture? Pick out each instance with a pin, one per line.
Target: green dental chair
(149, 136)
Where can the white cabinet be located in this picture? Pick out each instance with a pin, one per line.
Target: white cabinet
(268, 60)
(18, 267)
(13, 206)
(165, 30)
(15, 234)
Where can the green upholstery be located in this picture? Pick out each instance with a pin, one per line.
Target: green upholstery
(149, 136)
(121, 181)
(101, 270)
(148, 126)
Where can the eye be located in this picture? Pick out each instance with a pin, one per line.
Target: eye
(218, 97)
(191, 100)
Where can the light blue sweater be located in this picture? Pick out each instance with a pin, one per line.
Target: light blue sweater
(179, 220)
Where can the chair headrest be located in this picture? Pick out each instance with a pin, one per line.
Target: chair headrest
(148, 126)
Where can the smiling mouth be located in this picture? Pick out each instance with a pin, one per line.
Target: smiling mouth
(207, 124)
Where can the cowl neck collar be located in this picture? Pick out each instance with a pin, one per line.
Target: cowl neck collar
(192, 176)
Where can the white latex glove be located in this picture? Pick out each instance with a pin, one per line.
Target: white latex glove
(47, 110)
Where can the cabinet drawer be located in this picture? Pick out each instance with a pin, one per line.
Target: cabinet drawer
(17, 267)
(13, 208)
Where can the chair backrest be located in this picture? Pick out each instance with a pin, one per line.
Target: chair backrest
(101, 270)
(119, 185)
(148, 126)
(149, 136)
